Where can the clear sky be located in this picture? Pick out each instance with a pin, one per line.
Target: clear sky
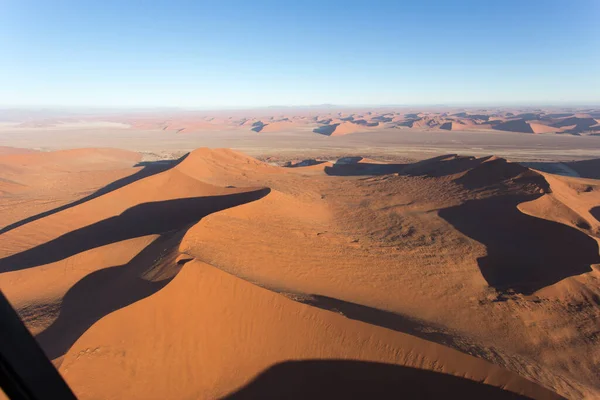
(252, 53)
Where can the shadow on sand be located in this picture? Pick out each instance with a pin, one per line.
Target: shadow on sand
(385, 319)
(141, 220)
(326, 130)
(596, 213)
(105, 291)
(448, 164)
(149, 168)
(524, 253)
(346, 379)
(351, 166)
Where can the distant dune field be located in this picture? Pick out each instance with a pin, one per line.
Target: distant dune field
(293, 134)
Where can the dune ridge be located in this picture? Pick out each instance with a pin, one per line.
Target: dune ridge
(244, 267)
(286, 331)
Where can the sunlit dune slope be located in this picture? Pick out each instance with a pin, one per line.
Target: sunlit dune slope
(60, 269)
(209, 333)
(472, 267)
(35, 182)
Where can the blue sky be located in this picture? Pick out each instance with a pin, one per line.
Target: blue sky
(212, 54)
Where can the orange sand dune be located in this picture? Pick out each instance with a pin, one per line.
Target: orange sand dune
(346, 128)
(168, 185)
(46, 285)
(452, 126)
(332, 230)
(576, 124)
(460, 266)
(541, 128)
(216, 332)
(36, 182)
(463, 125)
(81, 242)
(568, 201)
(526, 126)
(341, 128)
(517, 125)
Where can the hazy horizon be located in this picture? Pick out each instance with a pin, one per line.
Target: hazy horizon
(108, 108)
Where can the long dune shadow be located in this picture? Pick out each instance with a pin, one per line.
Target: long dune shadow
(348, 379)
(587, 168)
(351, 166)
(444, 165)
(306, 163)
(596, 213)
(149, 168)
(448, 164)
(326, 130)
(105, 291)
(524, 253)
(141, 220)
(385, 319)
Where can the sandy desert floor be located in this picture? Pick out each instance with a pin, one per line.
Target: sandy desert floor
(383, 266)
(387, 144)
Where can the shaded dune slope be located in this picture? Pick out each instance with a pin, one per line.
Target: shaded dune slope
(391, 227)
(587, 168)
(251, 328)
(380, 246)
(343, 128)
(359, 380)
(166, 215)
(524, 253)
(107, 290)
(518, 125)
(96, 237)
(173, 184)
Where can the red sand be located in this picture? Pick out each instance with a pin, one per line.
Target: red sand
(208, 278)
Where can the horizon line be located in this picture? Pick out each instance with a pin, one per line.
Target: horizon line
(5, 107)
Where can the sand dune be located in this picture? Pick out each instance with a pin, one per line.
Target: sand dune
(526, 126)
(202, 336)
(462, 122)
(36, 182)
(341, 128)
(541, 128)
(463, 125)
(222, 274)
(570, 201)
(577, 124)
(83, 240)
(516, 125)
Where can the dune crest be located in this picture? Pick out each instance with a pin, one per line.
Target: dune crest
(399, 250)
(203, 336)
